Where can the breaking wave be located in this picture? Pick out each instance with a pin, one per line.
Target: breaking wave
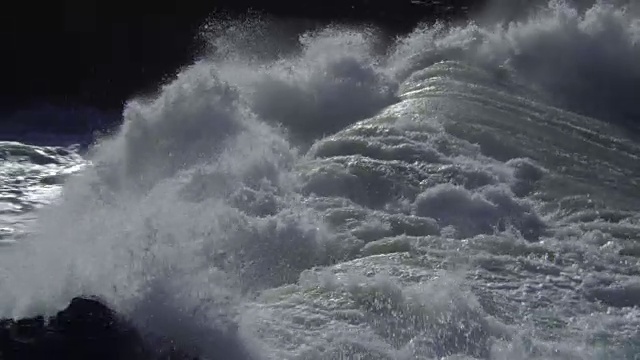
(252, 188)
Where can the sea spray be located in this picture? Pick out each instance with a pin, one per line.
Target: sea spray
(204, 213)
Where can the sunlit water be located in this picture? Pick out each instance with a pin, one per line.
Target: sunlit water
(471, 193)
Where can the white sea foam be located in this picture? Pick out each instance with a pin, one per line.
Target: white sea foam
(444, 209)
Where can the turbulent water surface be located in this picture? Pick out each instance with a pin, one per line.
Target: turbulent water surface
(469, 192)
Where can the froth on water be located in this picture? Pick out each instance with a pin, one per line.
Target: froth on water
(343, 199)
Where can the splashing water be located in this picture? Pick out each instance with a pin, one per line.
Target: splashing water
(444, 198)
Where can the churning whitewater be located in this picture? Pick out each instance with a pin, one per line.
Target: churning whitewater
(466, 192)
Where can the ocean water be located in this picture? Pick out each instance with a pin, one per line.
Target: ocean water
(465, 192)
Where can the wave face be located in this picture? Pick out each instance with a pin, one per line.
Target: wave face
(466, 192)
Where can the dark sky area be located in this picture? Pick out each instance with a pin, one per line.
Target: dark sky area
(99, 53)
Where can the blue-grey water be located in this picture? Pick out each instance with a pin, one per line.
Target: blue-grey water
(471, 192)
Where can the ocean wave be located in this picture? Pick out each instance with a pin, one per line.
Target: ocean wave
(435, 187)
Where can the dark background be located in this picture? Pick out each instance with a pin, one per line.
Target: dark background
(100, 53)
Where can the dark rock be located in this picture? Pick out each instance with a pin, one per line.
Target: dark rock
(86, 329)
